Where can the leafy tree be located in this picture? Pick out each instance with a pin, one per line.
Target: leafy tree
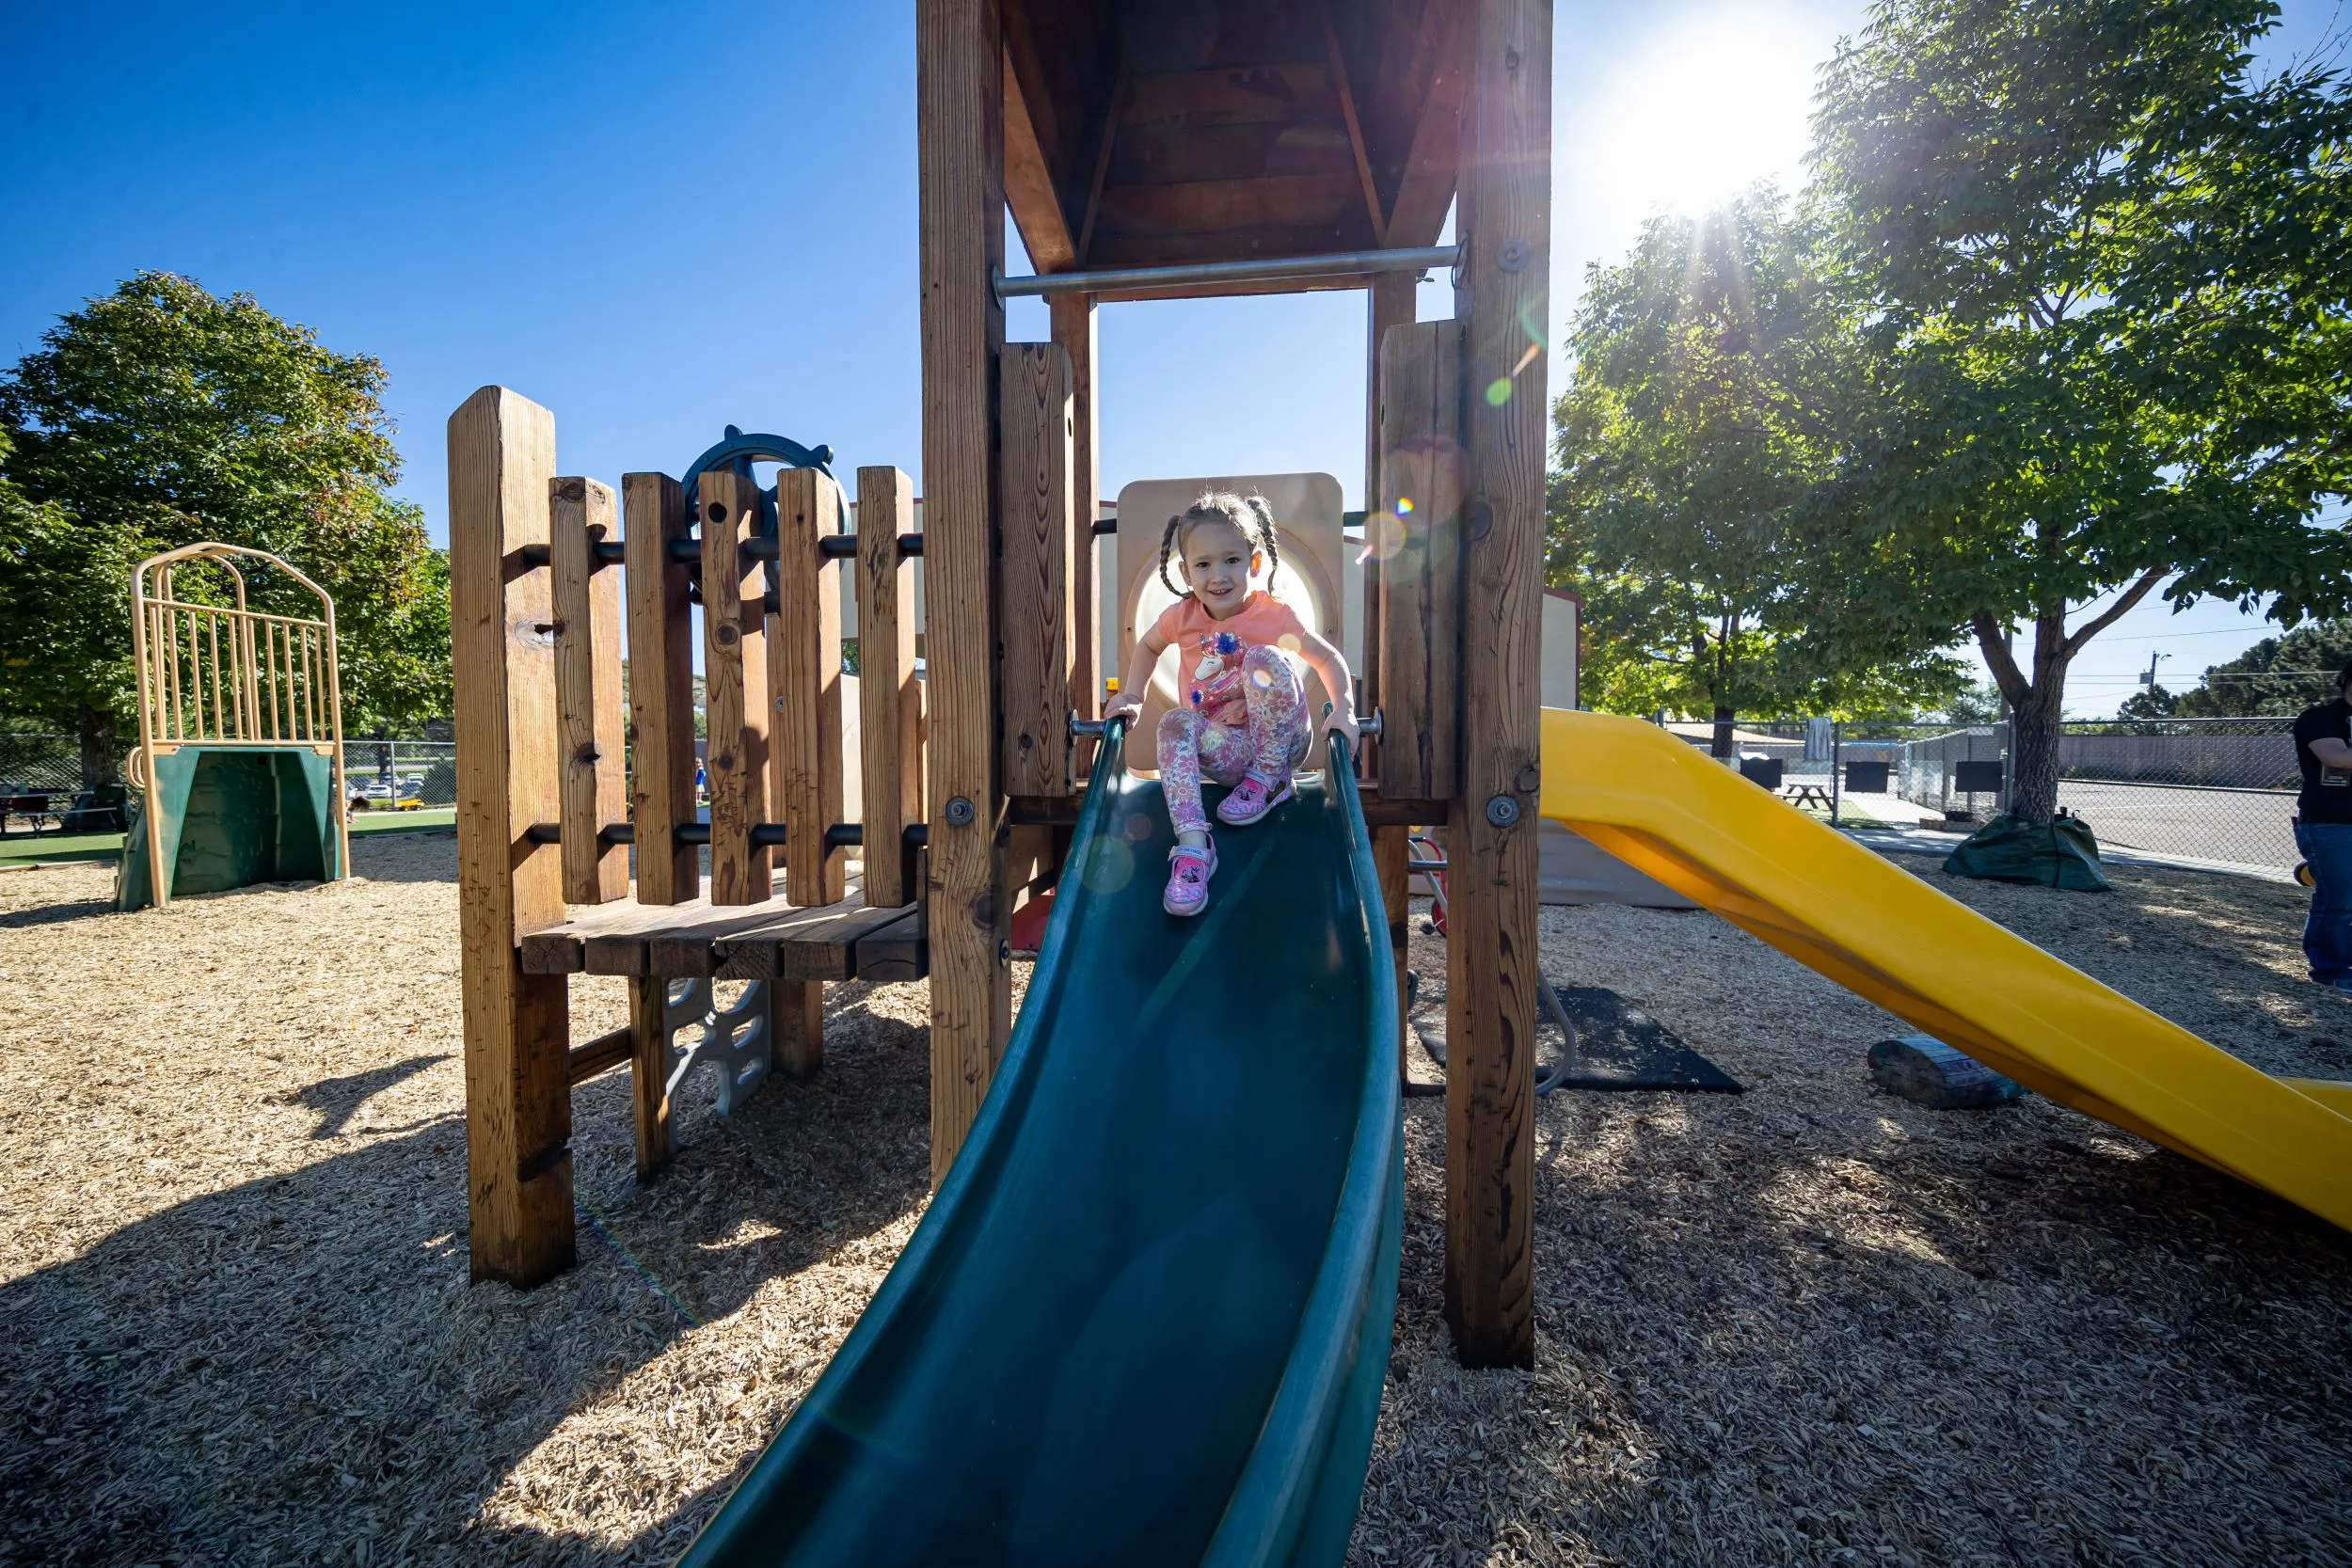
(161, 415)
(2142, 706)
(1709, 370)
(2276, 677)
(2106, 275)
(62, 591)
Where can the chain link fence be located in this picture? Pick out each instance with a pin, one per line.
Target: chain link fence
(2220, 791)
(35, 764)
(379, 776)
(400, 775)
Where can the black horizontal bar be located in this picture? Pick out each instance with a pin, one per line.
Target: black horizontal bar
(691, 832)
(917, 835)
(910, 544)
(1416, 863)
(836, 546)
(1105, 525)
(845, 835)
(760, 549)
(608, 552)
(536, 555)
(552, 832)
(767, 836)
(687, 551)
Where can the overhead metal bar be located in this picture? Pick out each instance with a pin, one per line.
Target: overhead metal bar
(1127, 279)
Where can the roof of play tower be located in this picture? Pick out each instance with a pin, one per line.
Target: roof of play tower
(1175, 131)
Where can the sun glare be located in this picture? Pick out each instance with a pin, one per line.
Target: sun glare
(1717, 104)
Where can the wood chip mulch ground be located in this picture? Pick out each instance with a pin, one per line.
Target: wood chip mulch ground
(1809, 1323)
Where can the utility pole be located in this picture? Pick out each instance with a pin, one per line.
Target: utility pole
(2149, 680)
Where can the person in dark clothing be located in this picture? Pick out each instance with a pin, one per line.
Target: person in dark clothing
(2322, 831)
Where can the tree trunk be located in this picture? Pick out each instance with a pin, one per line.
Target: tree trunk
(2033, 751)
(101, 754)
(2035, 708)
(1721, 746)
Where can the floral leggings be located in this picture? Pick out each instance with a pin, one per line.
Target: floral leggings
(1269, 745)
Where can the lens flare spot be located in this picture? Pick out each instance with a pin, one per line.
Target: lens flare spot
(1113, 867)
(1404, 506)
(1137, 827)
(1499, 391)
(1261, 679)
(1289, 643)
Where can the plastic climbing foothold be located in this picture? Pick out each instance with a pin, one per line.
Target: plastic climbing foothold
(1925, 1071)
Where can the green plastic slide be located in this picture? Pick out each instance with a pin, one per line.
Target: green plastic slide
(1146, 1320)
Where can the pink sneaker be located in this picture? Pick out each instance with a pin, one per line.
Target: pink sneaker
(1188, 873)
(1251, 799)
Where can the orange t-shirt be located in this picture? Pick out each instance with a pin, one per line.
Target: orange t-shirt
(1209, 650)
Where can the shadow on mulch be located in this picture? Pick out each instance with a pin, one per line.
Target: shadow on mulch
(296, 1367)
(55, 914)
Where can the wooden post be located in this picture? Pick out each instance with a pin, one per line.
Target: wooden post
(805, 681)
(1505, 220)
(1389, 301)
(796, 1014)
(1073, 317)
(588, 691)
(1421, 589)
(518, 1104)
(735, 688)
(960, 153)
(1392, 856)
(661, 687)
(649, 1067)
(890, 699)
(1033, 691)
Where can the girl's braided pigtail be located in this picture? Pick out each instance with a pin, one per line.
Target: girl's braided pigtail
(1265, 536)
(1168, 543)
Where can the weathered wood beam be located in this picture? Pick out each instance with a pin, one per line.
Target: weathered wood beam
(1029, 188)
(1073, 318)
(735, 687)
(1355, 127)
(1034, 566)
(1505, 221)
(1433, 166)
(649, 1069)
(1266, 201)
(960, 162)
(591, 727)
(1390, 300)
(804, 686)
(1420, 520)
(519, 1102)
(1115, 109)
(890, 698)
(661, 686)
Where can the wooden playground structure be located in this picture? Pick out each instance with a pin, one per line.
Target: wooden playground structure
(1286, 148)
(214, 676)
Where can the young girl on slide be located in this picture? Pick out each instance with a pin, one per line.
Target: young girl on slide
(1243, 720)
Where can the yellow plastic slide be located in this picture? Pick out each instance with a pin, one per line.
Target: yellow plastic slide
(1660, 806)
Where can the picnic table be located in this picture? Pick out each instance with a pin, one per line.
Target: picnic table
(32, 805)
(1807, 794)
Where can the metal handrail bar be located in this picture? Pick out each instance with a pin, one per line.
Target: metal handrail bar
(1120, 279)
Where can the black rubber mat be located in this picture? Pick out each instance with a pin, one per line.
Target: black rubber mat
(1618, 1046)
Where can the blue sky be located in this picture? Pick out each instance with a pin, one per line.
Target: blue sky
(660, 221)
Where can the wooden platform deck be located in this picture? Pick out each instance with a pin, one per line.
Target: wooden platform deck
(744, 941)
